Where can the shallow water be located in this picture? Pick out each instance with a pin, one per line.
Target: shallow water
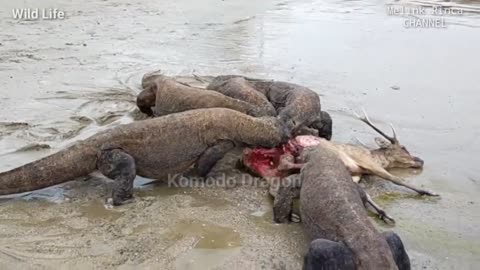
(64, 80)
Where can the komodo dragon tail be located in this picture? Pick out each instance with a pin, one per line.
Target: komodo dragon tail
(75, 161)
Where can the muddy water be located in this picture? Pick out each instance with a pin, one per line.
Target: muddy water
(64, 80)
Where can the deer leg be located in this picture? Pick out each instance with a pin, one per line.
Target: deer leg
(399, 181)
(381, 213)
(119, 166)
(366, 199)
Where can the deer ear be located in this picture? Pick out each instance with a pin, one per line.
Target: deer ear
(382, 142)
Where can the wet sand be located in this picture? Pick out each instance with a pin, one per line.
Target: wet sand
(66, 80)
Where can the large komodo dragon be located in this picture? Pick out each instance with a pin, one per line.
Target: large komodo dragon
(334, 217)
(150, 148)
(165, 95)
(296, 105)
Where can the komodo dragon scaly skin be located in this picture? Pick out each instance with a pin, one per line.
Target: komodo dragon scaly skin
(238, 88)
(165, 95)
(335, 218)
(296, 105)
(152, 148)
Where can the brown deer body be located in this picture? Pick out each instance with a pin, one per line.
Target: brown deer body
(360, 160)
(277, 164)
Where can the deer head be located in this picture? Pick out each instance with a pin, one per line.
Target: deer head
(392, 152)
(396, 155)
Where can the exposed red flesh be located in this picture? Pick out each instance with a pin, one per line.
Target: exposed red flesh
(265, 161)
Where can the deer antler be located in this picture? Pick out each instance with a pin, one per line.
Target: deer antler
(367, 121)
(393, 131)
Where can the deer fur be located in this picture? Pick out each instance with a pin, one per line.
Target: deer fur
(360, 160)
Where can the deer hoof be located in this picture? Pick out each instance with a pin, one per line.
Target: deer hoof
(386, 218)
(428, 193)
(382, 215)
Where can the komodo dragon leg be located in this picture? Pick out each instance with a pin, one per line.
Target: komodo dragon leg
(305, 131)
(321, 126)
(398, 250)
(287, 191)
(119, 166)
(210, 157)
(326, 254)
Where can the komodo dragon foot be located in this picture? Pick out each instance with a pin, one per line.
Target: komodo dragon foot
(326, 254)
(119, 166)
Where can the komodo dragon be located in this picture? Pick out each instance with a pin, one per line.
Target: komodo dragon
(152, 148)
(334, 217)
(165, 95)
(296, 105)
